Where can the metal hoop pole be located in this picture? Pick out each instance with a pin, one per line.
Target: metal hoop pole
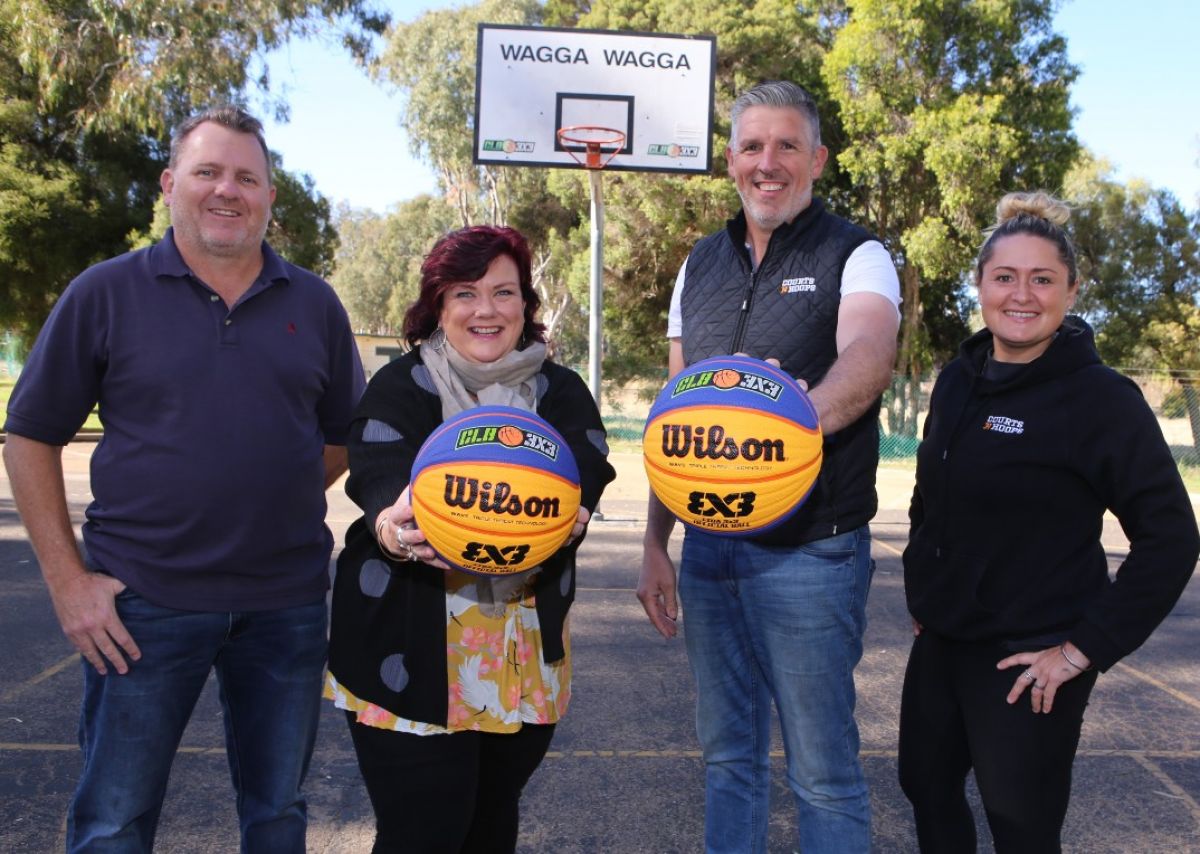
(595, 290)
(596, 296)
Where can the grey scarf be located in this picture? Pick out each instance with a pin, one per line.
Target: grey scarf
(463, 384)
(511, 380)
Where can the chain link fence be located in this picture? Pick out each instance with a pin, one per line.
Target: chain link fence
(1175, 399)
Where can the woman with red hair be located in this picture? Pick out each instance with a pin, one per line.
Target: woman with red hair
(452, 683)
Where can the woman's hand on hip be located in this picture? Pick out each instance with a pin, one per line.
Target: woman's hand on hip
(1044, 672)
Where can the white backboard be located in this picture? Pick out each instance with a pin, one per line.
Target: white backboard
(656, 89)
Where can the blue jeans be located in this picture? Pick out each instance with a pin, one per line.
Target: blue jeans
(782, 624)
(269, 668)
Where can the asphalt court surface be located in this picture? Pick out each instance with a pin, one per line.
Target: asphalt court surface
(624, 773)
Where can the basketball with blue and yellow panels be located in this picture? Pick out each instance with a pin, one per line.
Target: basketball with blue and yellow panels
(495, 490)
(732, 446)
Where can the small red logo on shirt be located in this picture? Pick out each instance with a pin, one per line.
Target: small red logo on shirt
(291, 329)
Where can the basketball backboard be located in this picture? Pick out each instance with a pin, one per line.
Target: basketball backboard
(655, 89)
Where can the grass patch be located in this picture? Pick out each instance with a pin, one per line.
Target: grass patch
(624, 433)
(6, 387)
(625, 437)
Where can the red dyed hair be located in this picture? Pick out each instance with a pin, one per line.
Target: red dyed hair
(464, 256)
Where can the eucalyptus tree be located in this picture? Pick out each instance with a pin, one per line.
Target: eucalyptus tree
(945, 105)
(1139, 258)
(88, 93)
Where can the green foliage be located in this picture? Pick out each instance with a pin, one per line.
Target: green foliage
(143, 64)
(61, 207)
(379, 260)
(1139, 255)
(946, 105)
(1139, 264)
(652, 221)
(301, 228)
(88, 91)
(432, 61)
(932, 109)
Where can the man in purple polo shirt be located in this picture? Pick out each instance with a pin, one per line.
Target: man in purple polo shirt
(225, 379)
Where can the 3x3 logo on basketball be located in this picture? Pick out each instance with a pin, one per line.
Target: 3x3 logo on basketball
(508, 435)
(711, 442)
(487, 554)
(733, 505)
(468, 493)
(728, 378)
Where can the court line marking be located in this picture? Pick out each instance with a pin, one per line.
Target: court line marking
(1125, 668)
(49, 747)
(897, 552)
(59, 666)
(1174, 790)
(52, 670)
(1144, 757)
(1162, 686)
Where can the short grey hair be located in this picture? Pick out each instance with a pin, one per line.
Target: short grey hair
(777, 93)
(227, 116)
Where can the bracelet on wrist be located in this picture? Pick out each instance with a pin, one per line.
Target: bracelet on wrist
(380, 537)
(1063, 649)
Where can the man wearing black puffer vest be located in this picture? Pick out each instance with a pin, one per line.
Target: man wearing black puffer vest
(779, 618)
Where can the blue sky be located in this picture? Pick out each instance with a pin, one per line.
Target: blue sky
(1138, 103)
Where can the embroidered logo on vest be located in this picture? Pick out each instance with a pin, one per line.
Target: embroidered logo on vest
(801, 284)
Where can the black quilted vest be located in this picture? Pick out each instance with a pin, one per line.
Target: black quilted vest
(787, 309)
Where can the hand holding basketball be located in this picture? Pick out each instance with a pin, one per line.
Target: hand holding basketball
(771, 360)
(732, 446)
(495, 491)
(581, 522)
(400, 534)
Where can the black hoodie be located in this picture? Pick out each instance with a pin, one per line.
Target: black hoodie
(1013, 478)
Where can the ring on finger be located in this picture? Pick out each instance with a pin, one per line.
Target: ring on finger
(405, 548)
(1039, 687)
(1028, 674)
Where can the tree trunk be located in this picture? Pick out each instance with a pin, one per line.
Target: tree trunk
(1191, 399)
(907, 402)
(904, 405)
(907, 354)
(914, 403)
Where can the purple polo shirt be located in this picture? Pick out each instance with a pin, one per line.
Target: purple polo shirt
(209, 483)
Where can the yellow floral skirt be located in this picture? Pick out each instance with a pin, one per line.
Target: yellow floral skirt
(496, 676)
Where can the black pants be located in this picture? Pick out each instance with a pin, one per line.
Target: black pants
(447, 794)
(953, 717)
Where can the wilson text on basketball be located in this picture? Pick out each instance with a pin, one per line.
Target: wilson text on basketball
(468, 492)
(711, 443)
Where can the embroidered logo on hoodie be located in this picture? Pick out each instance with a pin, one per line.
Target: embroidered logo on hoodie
(1000, 424)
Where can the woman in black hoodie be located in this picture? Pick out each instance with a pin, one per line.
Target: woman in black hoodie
(1029, 439)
